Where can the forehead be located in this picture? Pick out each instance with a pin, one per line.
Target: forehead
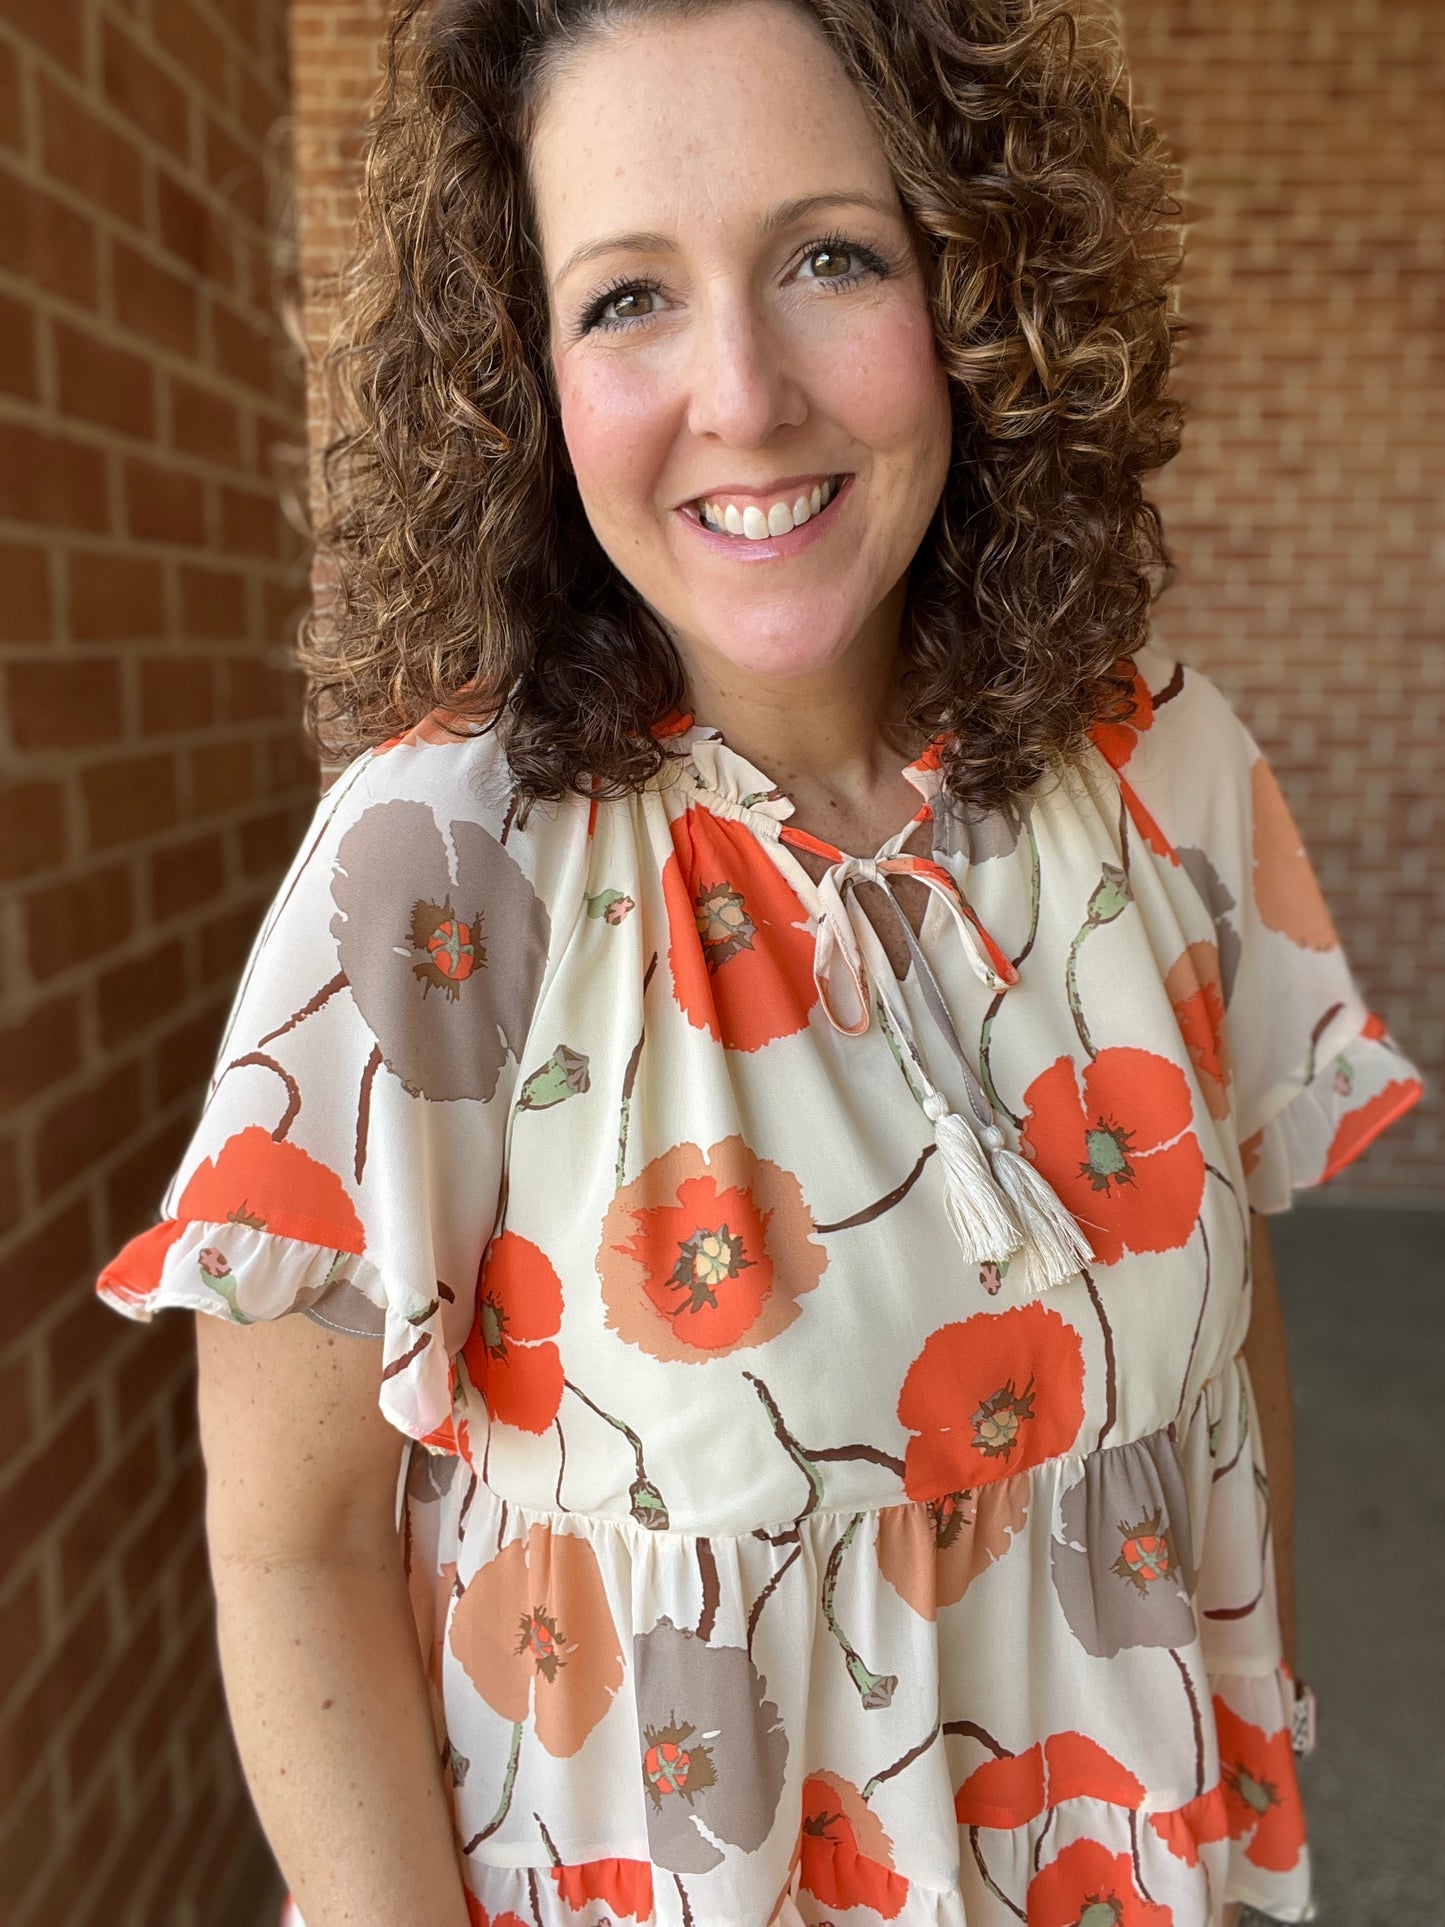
(708, 118)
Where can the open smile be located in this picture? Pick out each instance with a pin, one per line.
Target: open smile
(755, 537)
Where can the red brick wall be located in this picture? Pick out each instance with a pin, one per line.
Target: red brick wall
(1305, 508)
(152, 785)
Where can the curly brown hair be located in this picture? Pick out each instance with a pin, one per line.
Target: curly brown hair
(464, 573)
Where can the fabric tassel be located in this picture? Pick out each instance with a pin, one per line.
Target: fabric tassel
(980, 1214)
(1053, 1245)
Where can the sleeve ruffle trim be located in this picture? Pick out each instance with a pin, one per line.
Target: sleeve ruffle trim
(1356, 1089)
(238, 1272)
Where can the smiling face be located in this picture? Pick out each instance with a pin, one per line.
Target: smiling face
(739, 319)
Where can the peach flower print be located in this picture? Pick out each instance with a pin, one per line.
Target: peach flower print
(534, 1634)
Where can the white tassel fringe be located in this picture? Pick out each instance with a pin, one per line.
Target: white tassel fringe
(978, 1210)
(1053, 1245)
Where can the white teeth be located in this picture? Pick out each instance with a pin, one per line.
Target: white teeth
(751, 523)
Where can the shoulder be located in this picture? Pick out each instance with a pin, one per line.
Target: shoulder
(432, 763)
(1183, 749)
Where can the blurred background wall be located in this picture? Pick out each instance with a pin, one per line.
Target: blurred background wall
(154, 782)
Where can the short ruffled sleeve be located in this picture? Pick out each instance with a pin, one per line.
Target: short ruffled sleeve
(1315, 1075)
(349, 1158)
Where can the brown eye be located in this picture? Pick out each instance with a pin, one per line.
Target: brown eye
(622, 304)
(833, 255)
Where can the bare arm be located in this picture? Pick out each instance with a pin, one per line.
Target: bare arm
(1266, 1356)
(319, 1651)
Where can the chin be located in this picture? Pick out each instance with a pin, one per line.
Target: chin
(782, 645)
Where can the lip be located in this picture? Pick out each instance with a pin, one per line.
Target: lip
(768, 548)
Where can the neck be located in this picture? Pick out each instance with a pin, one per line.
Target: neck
(836, 734)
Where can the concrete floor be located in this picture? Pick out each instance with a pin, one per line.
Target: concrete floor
(1364, 1297)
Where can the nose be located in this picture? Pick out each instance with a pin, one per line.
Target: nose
(742, 388)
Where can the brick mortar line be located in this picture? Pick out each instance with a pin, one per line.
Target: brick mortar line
(89, 94)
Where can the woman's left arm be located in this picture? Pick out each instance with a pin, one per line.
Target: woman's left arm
(1266, 1356)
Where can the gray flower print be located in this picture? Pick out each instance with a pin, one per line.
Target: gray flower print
(445, 966)
(713, 1748)
(1124, 1568)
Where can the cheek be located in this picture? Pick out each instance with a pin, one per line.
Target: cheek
(613, 428)
(891, 391)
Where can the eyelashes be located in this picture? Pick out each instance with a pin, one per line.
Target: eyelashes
(594, 316)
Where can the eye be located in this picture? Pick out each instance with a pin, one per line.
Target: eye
(829, 263)
(837, 248)
(618, 295)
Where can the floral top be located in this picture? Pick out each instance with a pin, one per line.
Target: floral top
(771, 1555)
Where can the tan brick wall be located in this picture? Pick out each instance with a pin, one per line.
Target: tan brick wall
(152, 785)
(1305, 508)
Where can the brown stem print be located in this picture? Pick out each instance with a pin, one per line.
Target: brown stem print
(1315, 1035)
(363, 1108)
(400, 1364)
(509, 818)
(686, 1903)
(901, 1764)
(1197, 1718)
(1174, 687)
(1199, 1315)
(1134, 1855)
(1110, 1388)
(238, 1002)
(1043, 1835)
(971, 1730)
(711, 1589)
(767, 1592)
(985, 1036)
(293, 1091)
(562, 1467)
(870, 1212)
(629, 1078)
(308, 1009)
(988, 1879)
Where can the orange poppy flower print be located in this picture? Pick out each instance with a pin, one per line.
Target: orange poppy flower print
(847, 1858)
(1359, 1128)
(1087, 1883)
(509, 1354)
(1195, 988)
(1286, 889)
(272, 1185)
(740, 951)
(534, 1635)
(931, 1554)
(1199, 1822)
(705, 1252)
(1261, 1793)
(624, 1887)
(993, 1395)
(477, 1915)
(1016, 1789)
(1118, 1149)
(1116, 740)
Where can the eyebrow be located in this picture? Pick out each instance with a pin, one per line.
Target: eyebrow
(644, 241)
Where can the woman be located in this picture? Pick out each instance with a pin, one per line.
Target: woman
(769, 1051)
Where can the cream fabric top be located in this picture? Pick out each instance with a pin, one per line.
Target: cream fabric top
(771, 1557)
